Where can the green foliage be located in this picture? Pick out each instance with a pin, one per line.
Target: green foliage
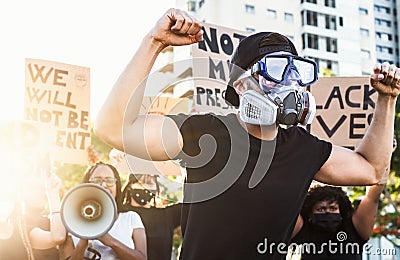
(395, 164)
(387, 222)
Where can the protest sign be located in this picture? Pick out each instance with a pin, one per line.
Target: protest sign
(211, 68)
(345, 107)
(58, 94)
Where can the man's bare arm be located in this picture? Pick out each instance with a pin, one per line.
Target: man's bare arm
(118, 122)
(368, 162)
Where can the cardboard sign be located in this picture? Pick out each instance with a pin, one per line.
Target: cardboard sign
(345, 108)
(211, 68)
(58, 95)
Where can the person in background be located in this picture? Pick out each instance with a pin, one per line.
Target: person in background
(328, 215)
(140, 195)
(12, 243)
(41, 215)
(127, 238)
(34, 227)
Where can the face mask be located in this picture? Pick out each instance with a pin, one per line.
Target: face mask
(287, 105)
(326, 221)
(142, 196)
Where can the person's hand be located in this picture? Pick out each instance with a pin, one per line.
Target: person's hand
(176, 27)
(386, 79)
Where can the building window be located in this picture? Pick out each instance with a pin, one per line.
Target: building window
(363, 11)
(201, 3)
(309, 1)
(271, 13)
(384, 49)
(330, 22)
(191, 6)
(366, 54)
(341, 21)
(289, 17)
(384, 36)
(330, 3)
(382, 61)
(382, 9)
(309, 18)
(250, 9)
(364, 32)
(382, 22)
(331, 45)
(310, 41)
(326, 64)
(249, 29)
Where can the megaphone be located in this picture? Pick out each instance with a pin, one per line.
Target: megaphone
(88, 211)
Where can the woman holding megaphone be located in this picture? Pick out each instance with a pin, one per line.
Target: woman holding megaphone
(126, 238)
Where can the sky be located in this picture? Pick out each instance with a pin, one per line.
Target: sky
(100, 34)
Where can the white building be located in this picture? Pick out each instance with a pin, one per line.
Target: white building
(345, 37)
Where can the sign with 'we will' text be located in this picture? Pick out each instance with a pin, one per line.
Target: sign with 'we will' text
(58, 94)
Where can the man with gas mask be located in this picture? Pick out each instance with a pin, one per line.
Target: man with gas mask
(246, 176)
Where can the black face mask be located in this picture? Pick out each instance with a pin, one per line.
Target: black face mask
(326, 221)
(141, 196)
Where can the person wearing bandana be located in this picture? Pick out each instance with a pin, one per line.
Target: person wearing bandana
(247, 173)
(140, 195)
(327, 212)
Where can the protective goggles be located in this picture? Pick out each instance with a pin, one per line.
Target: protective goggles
(277, 67)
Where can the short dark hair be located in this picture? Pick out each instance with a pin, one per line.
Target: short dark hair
(330, 194)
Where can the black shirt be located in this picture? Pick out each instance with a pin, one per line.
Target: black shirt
(159, 224)
(13, 247)
(230, 219)
(345, 243)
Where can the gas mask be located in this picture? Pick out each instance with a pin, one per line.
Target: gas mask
(326, 221)
(284, 103)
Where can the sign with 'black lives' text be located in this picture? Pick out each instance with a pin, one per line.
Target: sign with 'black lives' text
(58, 94)
(345, 107)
